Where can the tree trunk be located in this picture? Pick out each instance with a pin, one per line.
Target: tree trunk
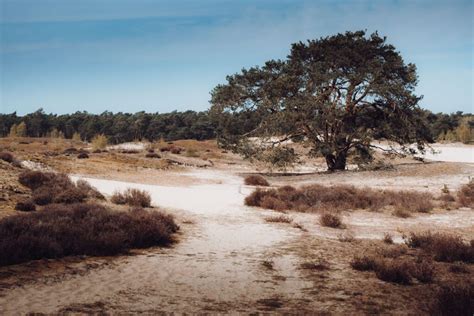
(337, 162)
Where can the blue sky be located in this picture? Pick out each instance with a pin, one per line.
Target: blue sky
(159, 56)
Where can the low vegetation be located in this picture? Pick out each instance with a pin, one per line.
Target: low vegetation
(256, 180)
(466, 194)
(25, 206)
(278, 219)
(48, 187)
(6, 156)
(443, 247)
(80, 229)
(454, 299)
(318, 198)
(132, 197)
(331, 220)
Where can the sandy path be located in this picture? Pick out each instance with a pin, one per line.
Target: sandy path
(217, 266)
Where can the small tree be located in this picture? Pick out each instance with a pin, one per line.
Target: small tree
(99, 142)
(76, 137)
(13, 131)
(464, 133)
(336, 94)
(21, 130)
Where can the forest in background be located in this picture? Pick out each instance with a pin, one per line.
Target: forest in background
(124, 127)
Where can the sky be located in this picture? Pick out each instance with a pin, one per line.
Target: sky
(163, 55)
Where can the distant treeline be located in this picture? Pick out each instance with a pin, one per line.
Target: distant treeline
(124, 127)
(118, 127)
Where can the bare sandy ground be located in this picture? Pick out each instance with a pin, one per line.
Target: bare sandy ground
(217, 265)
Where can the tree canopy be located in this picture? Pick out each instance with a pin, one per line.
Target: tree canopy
(336, 93)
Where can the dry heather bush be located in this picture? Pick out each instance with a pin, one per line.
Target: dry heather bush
(273, 203)
(6, 156)
(364, 263)
(80, 229)
(444, 247)
(331, 220)
(319, 265)
(279, 219)
(132, 197)
(401, 213)
(395, 271)
(466, 195)
(152, 155)
(25, 206)
(423, 271)
(319, 198)
(256, 180)
(56, 188)
(83, 156)
(34, 179)
(387, 238)
(393, 251)
(454, 299)
(458, 267)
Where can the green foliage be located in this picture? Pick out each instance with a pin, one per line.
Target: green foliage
(338, 93)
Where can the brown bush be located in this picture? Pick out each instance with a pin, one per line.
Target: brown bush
(25, 206)
(454, 299)
(69, 196)
(444, 247)
(395, 271)
(466, 195)
(279, 219)
(6, 156)
(34, 179)
(401, 213)
(387, 238)
(133, 197)
(319, 265)
(152, 155)
(256, 180)
(319, 198)
(273, 203)
(83, 156)
(423, 271)
(331, 220)
(364, 263)
(89, 190)
(80, 229)
(176, 150)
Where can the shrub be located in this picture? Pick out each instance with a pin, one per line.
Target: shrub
(423, 271)
(395, 271)
(83, 156)
(446, 248)
(80, 229)
(6, 156)
(319, 265)
(152, 155)
(330, 220)
(69, 196)
(454, 299)
(273, 203)
(279, 219)
(458, 267)
(256, 180)
(34, 179)
(466, 194)
(364, 263)
(71, 150)
(25, 206)
(401, 213)
(387, 238)
(89, 190)
(176, 150)
(133, 197)
(342, 197)
(99, 142)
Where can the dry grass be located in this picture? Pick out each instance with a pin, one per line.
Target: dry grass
(316, 198)
(278, 219)
(80, 229)
(387, 238)
(443, 247)
(152, 155)
(132, 197)
(318, 265)
(256, 180)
